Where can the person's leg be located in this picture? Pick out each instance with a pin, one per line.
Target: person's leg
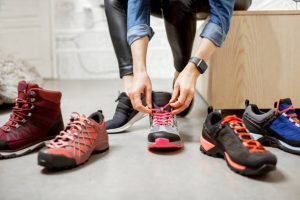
(180, 23)
(124, 116)
(116, 13)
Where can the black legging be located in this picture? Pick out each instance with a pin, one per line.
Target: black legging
(178, 15)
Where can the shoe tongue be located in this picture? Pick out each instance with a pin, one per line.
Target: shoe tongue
(160, 99)
(77, 117)
(23, 87)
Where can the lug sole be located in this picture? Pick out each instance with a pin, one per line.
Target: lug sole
(60, 162)
(24, 151)
(237, 168)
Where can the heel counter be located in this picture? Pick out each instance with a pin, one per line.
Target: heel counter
(250, 125)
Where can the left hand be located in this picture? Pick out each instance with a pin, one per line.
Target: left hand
(184, 89)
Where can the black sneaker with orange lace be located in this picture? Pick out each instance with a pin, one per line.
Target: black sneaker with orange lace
(229, 138)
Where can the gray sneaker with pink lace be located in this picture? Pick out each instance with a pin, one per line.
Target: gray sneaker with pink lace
(164, 132)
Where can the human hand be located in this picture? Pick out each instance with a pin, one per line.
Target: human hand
(184, 89)
(141, 84)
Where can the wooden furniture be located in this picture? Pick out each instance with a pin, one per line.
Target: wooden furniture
(259, 61)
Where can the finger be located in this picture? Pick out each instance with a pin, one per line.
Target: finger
(184, 106)
(181, 99)
(149, 98)
(175, 94)
(138, 105)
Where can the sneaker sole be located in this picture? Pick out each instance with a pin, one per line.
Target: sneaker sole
(126, 126)
(163, 143)
(24, 151)
(211, 150)
(59, 162)
(274, 142)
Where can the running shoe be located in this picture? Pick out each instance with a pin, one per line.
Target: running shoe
(36, 117)
(228, 138)
(74, 145)
(164, 132)
(124, 117)
(278, 127)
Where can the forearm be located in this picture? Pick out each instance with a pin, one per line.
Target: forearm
(139, 54)
(205, 49)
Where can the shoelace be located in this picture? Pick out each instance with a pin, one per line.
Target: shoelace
(162, 117)
(292, 116)
(20, 110)
(238, 126)
(71, 133)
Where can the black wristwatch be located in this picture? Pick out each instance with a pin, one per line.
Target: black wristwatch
(200, 64)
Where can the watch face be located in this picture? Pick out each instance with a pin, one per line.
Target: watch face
(203, 66)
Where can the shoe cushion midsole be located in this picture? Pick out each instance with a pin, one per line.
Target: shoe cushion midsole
(22, 151)
(137, 117)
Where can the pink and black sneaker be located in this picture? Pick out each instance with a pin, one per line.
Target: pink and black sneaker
(164, 132)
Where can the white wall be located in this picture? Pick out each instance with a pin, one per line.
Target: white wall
(83, 45)
(25, 32)
(69, 39)
(273, 5)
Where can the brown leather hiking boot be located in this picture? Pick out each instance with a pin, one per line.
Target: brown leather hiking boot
(36, 117)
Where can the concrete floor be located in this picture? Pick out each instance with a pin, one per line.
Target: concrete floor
(129, 171)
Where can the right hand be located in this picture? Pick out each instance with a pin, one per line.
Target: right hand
(141, 84)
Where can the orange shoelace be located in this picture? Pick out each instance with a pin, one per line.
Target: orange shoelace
(292, 116)
(239, 128)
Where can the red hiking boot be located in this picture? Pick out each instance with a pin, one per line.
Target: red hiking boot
(74, 146)
(36, 117)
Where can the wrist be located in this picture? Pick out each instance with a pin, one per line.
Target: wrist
(191, 68)
(139, 69)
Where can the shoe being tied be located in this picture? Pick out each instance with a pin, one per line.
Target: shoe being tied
(74, 146)
(164, 132)
(278, 127)
(228, 138)
(125, 116)
(36, 117)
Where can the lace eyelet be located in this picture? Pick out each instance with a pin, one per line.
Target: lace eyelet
(32, 99)
(29, 114)
(24, 120)
(17, 126)
(32, 93)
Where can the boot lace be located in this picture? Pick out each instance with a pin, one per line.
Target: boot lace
(239, 128)
(162, 117)
(71, 133)
(19, 112)
(292, 116)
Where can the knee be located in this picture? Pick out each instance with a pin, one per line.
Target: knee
(242, 4)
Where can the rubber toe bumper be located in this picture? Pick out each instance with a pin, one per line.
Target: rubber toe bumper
(53, 161)
(170, 136)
